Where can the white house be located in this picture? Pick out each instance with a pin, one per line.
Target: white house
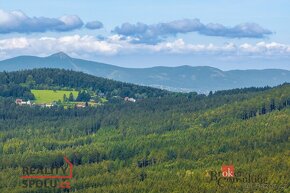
(130, 99)
(22, 102)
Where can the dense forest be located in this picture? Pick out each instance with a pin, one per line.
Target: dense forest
(165, 142)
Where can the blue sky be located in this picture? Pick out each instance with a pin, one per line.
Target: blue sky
(222, 33)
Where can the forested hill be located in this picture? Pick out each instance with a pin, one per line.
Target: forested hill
(166, 142)
(18, 84)
(161, 145)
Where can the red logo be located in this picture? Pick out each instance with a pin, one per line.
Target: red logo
(228, 171)
(51, 177)
(64, 185)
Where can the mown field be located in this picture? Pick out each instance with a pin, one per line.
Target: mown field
(48, 96)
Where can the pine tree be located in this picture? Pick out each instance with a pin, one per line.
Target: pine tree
(71, 97)
(64, 98)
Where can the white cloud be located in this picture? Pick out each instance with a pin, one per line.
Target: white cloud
(91, 46)
(13, 43)
(19, 22)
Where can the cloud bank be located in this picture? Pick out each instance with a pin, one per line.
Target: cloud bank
(78, 46)
(19, 22)
(151, 34)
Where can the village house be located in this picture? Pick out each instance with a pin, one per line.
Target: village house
(80, 105)
(44, 105)
(130, 99)
(18, 101)
(22, 102)
(49, 105)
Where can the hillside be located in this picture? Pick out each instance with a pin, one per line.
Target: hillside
(159, 144)
(182, 78)
(18, 84)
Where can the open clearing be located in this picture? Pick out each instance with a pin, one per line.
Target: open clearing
(48, 96)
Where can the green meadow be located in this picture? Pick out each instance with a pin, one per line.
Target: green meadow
(48, 96)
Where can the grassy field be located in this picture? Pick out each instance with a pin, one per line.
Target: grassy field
(48, 96)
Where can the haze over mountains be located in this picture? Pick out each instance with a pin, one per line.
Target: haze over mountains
(182, 78)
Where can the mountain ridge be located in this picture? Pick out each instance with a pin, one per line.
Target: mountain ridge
(181, 78)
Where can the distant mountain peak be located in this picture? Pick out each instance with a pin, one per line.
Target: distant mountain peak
(60, 55)
(181, 78)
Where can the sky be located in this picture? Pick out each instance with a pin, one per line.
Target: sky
(249, 34)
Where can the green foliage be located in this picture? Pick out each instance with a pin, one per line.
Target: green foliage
(16, 91)
(169, 143)
(83, 96)
(71, 97)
